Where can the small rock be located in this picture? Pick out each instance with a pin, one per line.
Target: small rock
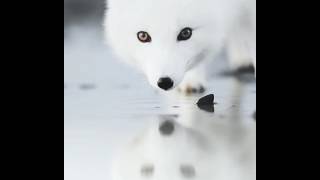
(207, 103)
(207, 100)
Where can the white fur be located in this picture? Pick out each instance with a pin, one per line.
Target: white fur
(216, 23)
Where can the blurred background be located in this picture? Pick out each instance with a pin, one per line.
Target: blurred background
(106, 103)
(82, 11)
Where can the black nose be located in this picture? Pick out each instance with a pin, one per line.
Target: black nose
(166, 128)
(165, 83)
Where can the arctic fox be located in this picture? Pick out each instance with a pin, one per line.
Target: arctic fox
(172, 41)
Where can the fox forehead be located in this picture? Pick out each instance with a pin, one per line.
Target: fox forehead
(161, 14)
(154, 4)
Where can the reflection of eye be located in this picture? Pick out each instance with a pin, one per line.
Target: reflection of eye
(188, 171)
(147, 170)
(144, 37)
(185, 34)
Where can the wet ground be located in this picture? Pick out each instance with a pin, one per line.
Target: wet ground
(117, 125)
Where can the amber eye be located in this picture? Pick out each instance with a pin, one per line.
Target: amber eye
(144, 37)
(185, 34)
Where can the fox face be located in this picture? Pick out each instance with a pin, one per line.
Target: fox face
(164, 39)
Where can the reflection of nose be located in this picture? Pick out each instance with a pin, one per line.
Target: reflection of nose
(166, 128)
(165, 83)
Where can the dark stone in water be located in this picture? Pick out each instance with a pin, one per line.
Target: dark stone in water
(206, 100)
(206, 103)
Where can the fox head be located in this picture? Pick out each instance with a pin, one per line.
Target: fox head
(164, 38)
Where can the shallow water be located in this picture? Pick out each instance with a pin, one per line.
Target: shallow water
(113, 121)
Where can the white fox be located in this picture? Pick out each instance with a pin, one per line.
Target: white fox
(171, 41)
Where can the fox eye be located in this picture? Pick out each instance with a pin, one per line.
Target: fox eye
(185, 34)
(144, 37)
